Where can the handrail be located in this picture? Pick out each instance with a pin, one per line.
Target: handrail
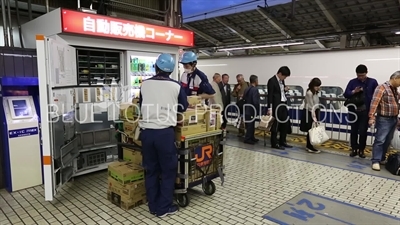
(303, 97)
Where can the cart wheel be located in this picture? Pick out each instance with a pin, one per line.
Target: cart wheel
(182, 200)
(209, 188)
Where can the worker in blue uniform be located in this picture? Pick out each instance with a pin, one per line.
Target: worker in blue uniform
(161, 98)
(193, 81)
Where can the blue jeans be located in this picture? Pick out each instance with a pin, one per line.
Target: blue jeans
(385, 127)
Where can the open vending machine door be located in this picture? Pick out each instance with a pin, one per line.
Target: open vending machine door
(57, 81)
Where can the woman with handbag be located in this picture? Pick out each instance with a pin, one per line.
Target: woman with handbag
(311, 111)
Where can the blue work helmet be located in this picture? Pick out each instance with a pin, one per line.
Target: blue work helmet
(188, 57)
(166, 62)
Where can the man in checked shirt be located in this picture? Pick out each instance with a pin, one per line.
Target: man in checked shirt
(383, 114)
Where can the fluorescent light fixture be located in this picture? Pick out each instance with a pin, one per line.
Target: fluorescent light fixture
(205, 52)
(261, 46)
(211, 65)
(397, 32)
(383, 59)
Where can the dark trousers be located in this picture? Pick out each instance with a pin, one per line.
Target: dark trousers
(359, 130)
(159, 160)
(225, 120)
(281, 125)
(309, 145)
(250, 125)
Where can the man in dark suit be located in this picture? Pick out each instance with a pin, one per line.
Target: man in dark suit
(251, 109)
(226, 97)
(277, 103)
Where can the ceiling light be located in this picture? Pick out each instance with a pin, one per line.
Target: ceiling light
(397, 32)
(261, 46)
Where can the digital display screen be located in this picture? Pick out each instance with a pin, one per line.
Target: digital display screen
(21, 108)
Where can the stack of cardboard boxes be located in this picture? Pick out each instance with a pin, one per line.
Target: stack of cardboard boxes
(126, 181)
(126, 187)
(129, 115)
(197, 119)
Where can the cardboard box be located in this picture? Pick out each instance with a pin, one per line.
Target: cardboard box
(126, 203)
(132, 156)
(130, 127)
(127, 111)
(194, 100)
(125, 172)
(128, 191)
(191, 117)
(189, 130)
(135, 102)
(213, 119)
(139, 143)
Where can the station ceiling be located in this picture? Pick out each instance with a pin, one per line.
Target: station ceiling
(300, 26)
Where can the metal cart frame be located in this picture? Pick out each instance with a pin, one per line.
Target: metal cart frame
(186, 159)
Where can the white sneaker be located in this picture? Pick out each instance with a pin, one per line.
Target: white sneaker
(311, 150)
(376, 167)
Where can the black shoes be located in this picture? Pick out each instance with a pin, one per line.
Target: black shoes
(355, 152)
(285, 145)
(278, 147)
(312, 150)
(249, 142)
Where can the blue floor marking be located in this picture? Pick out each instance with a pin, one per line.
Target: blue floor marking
(333, 218)
(274, 220)
(305, 209)
(355, 206)
(351, 167)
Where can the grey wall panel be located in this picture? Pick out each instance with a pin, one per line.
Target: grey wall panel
(18, 62)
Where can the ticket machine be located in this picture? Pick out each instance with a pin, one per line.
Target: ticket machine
(20, 133)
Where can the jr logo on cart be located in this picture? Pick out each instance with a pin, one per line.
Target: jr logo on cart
(203, 155)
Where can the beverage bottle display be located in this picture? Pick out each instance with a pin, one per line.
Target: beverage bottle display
(136, 81)
(141, 65)
(131, 65)
(135, 65)
(153, 68)
(147, 66)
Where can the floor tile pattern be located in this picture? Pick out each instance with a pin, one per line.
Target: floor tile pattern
(256, 183)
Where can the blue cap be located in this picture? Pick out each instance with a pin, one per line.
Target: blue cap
(166, 62)
(188, 57)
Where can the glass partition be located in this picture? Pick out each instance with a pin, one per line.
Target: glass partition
(293, 95)
(330, 95)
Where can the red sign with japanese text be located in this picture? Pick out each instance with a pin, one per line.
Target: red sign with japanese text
(104, 26)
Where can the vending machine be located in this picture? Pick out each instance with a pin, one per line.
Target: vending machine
(140, 67)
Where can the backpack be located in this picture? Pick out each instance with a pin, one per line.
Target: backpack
(393, 164)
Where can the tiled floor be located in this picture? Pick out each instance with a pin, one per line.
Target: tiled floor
(256, 183)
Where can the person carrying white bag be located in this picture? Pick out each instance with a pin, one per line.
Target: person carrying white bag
(310, 115)
(396, 139)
